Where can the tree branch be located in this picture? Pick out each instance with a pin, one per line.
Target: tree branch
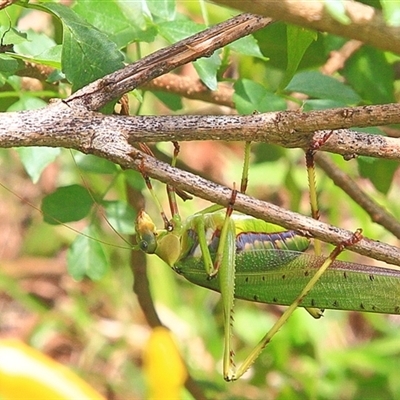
(367, 23)
(58, 125)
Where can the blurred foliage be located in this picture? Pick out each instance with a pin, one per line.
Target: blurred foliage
(96, 326)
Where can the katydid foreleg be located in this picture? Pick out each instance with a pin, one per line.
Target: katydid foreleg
(245, 170)
(310, 164)
(312, 180)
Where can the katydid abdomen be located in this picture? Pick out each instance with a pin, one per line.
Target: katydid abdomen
(269, 271)
(277, 277)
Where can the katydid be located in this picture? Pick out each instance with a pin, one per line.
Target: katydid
(247, 258)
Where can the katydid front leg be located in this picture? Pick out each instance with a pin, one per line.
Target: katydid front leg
(310, 164)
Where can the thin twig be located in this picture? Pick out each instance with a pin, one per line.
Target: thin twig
(349, 186)
(192, 88)
(98, 93)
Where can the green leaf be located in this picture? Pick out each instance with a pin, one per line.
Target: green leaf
(36, 159)
(121, 216)
(207, 69)
(35, 44)
(93, 164)
(337, 10)
(273, 42)
(87, 54)
(391, 12)
(379, 171)
(321, 104)
(252, 97)
(298, 41)
(8, 66)
(12, 36)
(178, 30)
(371, 75)
(171, 100)
(124, 21)
(164, 9)
(321, 86)
(27, 102)
(66, 204)
(50, 57)
(86, 256)
(247, 46)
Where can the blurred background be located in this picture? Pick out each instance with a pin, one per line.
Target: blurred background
(66, 285)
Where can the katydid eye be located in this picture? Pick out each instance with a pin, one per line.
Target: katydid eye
(148, 244)
(143, 245)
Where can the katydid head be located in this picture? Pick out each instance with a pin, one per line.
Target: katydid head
(146, 233)
(164, 243)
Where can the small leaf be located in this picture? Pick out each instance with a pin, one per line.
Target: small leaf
(369, 72)
(50, 57)
(247, 46)
(66, 204)
(338, 11)
(252, 97)
(36, 159)
(164, 9)
(171, 100)
(121, 216)
(207, 69)
(379, 171)
(86, 256)
(317, 85)
(391, 12)
(93, 164)
(173, 31)
(12, 35)
(124, 21)
(35, 44)
(298, 41)
(84, 48)
(8, 66)
(27, 102)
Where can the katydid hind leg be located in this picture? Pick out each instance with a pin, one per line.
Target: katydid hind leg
(356, 237)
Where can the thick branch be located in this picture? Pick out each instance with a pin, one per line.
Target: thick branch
(58, 125)
(367, 23)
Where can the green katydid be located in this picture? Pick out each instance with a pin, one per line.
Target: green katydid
(243, 257)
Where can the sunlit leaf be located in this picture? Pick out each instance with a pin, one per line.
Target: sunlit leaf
(84, 48)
